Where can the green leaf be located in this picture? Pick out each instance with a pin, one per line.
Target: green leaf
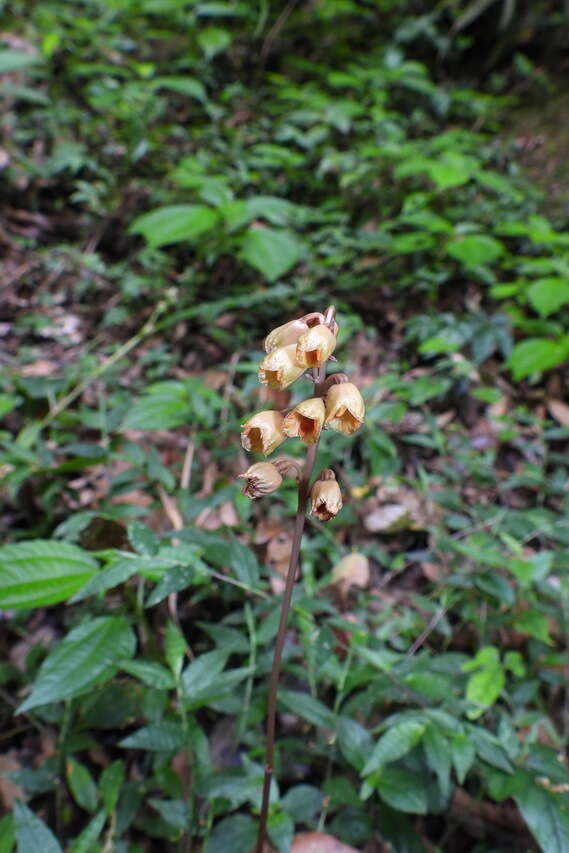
(213, 40)
(271, 252)
(395, 743)
(535, 355)
(175, 649)
(38, 573)
(307, 707)
(81, 785)
(475, 250)
(151, 673)
(438, 752)
(546, 816)
(236, 833)
(535, 624)
(110, 784)
(547, 295)
(32, 833)
(402, 790)
(84, 843)
(281, 830)
(182, 85)
(463, 754)
(174, 224)
(89, 654)
(354, 741)
(15, 60)
(167, 736)
(7, 834)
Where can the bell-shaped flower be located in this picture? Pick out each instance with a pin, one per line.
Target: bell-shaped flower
(263, 433)
(345, 408)
(306, 420)
(315, 346)
(279, 368)
(325, 496)
(261, 479)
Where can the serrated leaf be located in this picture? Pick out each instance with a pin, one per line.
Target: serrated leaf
(547, 295)
(307, 707)
(395, 743)
(32, 833)
(535, 355)
(271, 252)
(42, 572)
(166, 736)
(150, 673)
(89, 654)
(402, 790)
(354, 741)
(475, 249)
(174, 224)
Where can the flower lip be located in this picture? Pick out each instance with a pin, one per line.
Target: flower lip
(263, 432)
(306, 420)
(345, 408)
(325, 496)
(279, 368)
(315, 346)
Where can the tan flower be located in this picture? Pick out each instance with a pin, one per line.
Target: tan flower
(263, 433)
(279, 368)
(287, 334)
(345, 408)
(305, 421)
(315, 346)
(325, 496)
(261, 479)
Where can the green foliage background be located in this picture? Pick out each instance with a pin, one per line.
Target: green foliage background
(178, 178)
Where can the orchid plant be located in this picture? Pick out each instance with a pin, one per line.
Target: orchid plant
(304, 344)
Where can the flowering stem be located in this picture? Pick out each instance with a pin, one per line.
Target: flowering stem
(303, 493)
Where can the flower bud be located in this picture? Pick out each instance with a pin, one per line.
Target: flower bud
(345, 408)
(315, 346)
(305, 421)
(279, 368)
(325, 496)
(287, 334)
(260, 479)
(288, 466)
(263, 432)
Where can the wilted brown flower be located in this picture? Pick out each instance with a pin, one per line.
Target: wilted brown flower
(345, 408)
(261, 479)
(315, 346)
(263, 433)
(325, 496)
(279, 368)
(305, 421)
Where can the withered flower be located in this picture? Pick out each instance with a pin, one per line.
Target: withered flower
(315, 346)
(279, 368)
(325, 496)
(305, 421)
(263, 433)
(345, 408)
(261, 479)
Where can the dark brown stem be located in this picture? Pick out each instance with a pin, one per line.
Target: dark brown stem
(303, 493)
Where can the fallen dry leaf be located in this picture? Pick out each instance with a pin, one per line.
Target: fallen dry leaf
(559, 411)
(319, 842)
(9, 791)
(352, 570)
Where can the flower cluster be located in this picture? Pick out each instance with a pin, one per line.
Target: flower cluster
(300, 345)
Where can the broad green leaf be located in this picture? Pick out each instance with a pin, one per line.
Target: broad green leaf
(534, 355)
(546, 815)
(354, 741)
(395, 743)
(236, 833)
(31, 832)
(7, 834)
(167, 736)
(150, 673)
(15, 60)
(438, 752)
(182, 85)
(174, 812)
(174, 648)
(303, 802)
(81, 785)
(84, 843)
(535, 624)
(213, 40)
(402, 790)
(475, 250)
(174, 224)
(88, 655)
(42, 572)
(452, 170)
(463, 755)
(271, 252)
(307, 707)
(281, 830)
(548, 295)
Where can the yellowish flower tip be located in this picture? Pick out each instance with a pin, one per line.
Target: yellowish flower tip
(345, 408)
(315, 346)
(263, 433)
(325, 496)
(279, 368)
(284, 335)
(260, 479)
(306, 420)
